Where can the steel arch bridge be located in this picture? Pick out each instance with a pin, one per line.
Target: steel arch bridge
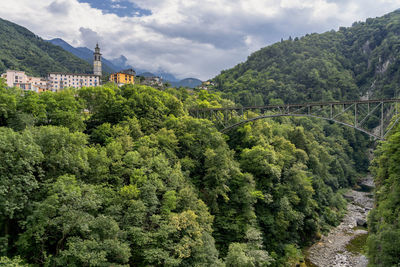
(355, 114)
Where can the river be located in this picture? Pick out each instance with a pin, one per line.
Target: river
(341, 247)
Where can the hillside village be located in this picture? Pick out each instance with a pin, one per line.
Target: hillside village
(55, 81)
(277, 162)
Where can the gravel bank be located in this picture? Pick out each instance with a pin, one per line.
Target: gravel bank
(331, 249)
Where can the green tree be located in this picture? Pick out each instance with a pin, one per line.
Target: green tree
(384, 237)
(67, 224)
(8, 103)
(64, 152)
(19, 178)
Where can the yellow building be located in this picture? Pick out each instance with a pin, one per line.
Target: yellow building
(123, 77)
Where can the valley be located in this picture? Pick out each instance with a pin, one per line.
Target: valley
(264, 165)
(334, 249)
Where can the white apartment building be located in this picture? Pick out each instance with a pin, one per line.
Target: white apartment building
(15, 78)
(57, 80)
(38, 84)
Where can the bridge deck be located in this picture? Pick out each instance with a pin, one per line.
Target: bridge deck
(311, 104)
(337, 111)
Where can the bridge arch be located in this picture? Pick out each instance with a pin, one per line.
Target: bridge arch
(299, 115)
(357, 110)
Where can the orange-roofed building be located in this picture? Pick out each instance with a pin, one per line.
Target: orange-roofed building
(123, 77)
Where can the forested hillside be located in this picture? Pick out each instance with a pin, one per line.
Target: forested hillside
(359, 61)
(20, 49)
(112, 176)
(123, 176)
(384, 238)
(335, 65)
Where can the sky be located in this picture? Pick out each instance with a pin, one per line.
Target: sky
(188, 38)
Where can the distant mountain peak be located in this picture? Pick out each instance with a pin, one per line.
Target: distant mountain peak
(121, 63)
(188, 82)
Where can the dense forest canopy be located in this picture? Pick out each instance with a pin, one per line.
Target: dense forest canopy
(123, 176)
(358, 61)
(119, 176)
(384, 228)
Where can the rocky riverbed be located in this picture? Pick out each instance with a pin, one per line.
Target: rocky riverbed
(331, 249)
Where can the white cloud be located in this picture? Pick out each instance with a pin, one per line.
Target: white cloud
(189, 37)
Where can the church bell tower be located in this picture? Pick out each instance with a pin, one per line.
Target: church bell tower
(97, 61)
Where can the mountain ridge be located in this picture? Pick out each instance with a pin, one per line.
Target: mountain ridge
(187, 82)
(109, 65)
(120, 63)
(85, 54)
(20, 49)
(336, 65)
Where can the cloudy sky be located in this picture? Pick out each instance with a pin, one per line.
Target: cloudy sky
(188, 38)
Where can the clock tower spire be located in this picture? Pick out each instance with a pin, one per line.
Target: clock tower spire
(97, 61)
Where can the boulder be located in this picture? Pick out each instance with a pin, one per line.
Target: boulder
(348, 197)
(361, 222)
